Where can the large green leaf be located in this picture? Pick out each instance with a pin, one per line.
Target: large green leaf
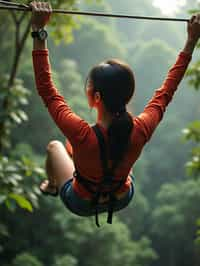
(21, 201)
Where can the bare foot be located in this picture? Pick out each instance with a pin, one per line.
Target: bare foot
(48, 189)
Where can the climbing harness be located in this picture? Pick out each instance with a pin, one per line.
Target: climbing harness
(108, 184)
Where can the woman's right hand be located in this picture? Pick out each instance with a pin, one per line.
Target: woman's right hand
(41, 13)
(193, 28)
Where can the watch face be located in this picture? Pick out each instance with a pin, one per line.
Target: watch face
(42, 35)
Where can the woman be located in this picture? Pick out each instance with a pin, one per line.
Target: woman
(98, 178)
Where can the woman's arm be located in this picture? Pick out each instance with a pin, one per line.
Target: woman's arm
(153, 112)
(41, 13)
(72, 126)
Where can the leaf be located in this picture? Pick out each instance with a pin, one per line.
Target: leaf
(23, 101)
(11, 168)
(21, 201)
(17, 177)
(39, 170)
(22, 115)
(15, 117)
(198, 222)
(13, 182)
(197, 241)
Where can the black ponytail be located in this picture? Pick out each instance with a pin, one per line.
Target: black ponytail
(119, 136)
(115, 82)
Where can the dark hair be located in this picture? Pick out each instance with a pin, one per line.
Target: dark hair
(115, 82)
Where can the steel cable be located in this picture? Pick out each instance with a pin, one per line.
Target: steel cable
(5, 5)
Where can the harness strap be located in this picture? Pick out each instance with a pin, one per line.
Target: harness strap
(108, 176)
(85, 182)
(102, 145)
(107, 180)
(103, 153)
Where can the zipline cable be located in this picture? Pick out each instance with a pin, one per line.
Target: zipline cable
(23, 7)
(13, 4)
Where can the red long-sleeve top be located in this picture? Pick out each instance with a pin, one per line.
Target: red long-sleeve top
(82, 137)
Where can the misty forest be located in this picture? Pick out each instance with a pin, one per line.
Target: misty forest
(161, 226)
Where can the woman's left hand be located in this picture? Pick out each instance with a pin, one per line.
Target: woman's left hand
(41, 13)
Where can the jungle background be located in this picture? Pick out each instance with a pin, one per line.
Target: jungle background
(161, 226)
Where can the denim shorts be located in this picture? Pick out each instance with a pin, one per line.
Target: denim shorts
(83, 207)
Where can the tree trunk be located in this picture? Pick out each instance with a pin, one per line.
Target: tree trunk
(19, 46)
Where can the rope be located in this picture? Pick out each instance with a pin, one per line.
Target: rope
(23, 7)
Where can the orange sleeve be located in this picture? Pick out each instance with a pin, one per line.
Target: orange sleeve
(72, 126)
(69, 148)
(154, 110)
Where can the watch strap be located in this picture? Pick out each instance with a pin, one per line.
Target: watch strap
(37, 34)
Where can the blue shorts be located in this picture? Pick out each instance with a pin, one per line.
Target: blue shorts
(83, 207)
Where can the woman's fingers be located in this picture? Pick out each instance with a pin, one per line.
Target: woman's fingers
(198, 18)
(192, 19)
(195, 19)
(41, 6)
(194, 27)
(41, 12)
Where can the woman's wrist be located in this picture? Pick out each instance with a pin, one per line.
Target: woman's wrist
(38, 44)
(190, 45)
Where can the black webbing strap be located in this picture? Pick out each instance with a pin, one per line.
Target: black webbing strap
(108, 176)
(102, 146)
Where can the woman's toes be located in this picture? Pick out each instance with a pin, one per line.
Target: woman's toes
(44, 185)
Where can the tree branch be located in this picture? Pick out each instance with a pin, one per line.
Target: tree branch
(14, 16)
(22, 17)
(19, 45)
(25, 35)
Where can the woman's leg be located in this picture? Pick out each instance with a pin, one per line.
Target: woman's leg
(59, 166)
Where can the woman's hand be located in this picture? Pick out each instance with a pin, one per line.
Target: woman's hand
(41, 13)
(193, 28)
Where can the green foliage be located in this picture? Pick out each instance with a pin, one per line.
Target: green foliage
(148, 78)
(197, 241)
(66, 23)
(137, 213)
(87, 50)
(148, 51)
(11, 101)
(21, 201)
(174, 221)
(194, 75)
(14, 187)
(66, 260)
(193, 133)
(3, 232)
(72, 88)
(26, 259)
(113, 244)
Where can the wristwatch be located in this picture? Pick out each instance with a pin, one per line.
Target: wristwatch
(40, 34)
